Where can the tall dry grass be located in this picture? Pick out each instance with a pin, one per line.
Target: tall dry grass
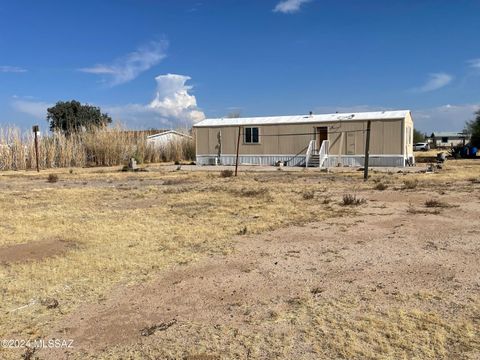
(105, 147)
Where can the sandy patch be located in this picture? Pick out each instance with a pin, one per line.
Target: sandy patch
(34, 251)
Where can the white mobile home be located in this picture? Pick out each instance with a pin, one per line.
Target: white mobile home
(449, 139)
(312, 140)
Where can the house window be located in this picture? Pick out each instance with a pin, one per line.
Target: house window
(251, 135)
(445, 139)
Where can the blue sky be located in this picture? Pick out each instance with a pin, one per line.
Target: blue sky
(157, 64)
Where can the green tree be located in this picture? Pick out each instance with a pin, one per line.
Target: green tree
(418, 136)
(473, 127)
(71, 117)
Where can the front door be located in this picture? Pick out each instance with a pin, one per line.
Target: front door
(322, 134)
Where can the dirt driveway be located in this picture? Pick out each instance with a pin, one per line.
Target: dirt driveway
(396, 280)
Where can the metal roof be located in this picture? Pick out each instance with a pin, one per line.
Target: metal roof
(168, 132)
(302, 119)
(450, 134)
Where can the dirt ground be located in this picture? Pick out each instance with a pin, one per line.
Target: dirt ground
(35, 251)
(393, 277)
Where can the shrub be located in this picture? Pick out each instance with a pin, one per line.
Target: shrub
(308, 195)
(381, 186)
(410, 184)
(352, 200)
(226, 173)
(52, 178)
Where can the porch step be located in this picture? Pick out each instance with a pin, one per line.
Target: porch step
(314, 160)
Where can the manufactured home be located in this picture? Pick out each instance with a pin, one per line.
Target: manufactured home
(307, 140)
(448, 139)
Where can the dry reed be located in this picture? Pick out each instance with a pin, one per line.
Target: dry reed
(106, 147)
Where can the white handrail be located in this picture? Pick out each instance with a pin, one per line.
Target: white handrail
(323, 153)
(311, 148)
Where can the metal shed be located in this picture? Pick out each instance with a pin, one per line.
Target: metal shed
(307, 140)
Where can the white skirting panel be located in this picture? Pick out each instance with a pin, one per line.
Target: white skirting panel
(359, 160)
(291, 160)
(299, 160)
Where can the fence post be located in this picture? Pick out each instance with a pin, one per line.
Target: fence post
(238, 147)
(367, 151)
(35, 129)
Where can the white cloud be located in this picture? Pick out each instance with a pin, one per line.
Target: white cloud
(37, 109)
(474, 63)
(289, 6)
(440, 118)
(172, 107)
(434, 82)
(128, 67)
(444, 118)
(173, 100)
(11, 69)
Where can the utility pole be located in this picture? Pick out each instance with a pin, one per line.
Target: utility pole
(238, 148)
(35, 129)
(367, 151)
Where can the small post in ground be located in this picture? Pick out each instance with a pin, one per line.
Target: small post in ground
(367, 151)
(238, 148)
(35, 129)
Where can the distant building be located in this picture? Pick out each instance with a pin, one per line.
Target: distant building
(141, 134)
(307, 140)
(165, 138)
(448, 139)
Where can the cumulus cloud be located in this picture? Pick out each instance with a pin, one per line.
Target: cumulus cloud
(435, 81)
(289, 6)
(172, 107)
(36, 109)
(11, 69)
(128, 67)
(173, 100)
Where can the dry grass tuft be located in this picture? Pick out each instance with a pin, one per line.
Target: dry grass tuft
(52, 178)
(434, 203)
(226, 173)
(381, 186)
(415, 211)
(352, 200)
(308, 195)
(251, 192)
(410, 184)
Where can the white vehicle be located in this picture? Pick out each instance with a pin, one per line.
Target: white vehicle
(421, 147)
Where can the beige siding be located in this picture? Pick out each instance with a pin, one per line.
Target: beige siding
(392, 133)
(201, 140)
(408, 137)
(346, 138)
